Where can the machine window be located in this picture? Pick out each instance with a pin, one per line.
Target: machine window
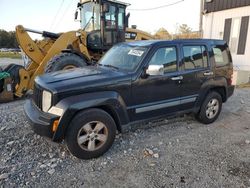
(110, 18)
(195, 57)
(166, 57)
(121, 18)
(87, 11)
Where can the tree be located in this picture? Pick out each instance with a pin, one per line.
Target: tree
(184, 29)
(185, 32)
(162, 33)
(8, 39)
(12, 40)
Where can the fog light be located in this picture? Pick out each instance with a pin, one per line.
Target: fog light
(55, 125)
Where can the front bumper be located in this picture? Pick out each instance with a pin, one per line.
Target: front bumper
(40, 121)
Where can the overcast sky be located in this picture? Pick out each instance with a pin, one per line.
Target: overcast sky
(58, 15)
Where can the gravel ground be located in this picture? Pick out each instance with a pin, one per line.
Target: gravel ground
(171, 153)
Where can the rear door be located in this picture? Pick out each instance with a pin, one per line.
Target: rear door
(195, 70)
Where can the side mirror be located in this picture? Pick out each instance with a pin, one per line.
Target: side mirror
(76, 15)
(105, 7)
(127, 20)
(155, 70)
(79, 5)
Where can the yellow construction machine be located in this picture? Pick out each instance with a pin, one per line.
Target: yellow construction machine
(103, 24)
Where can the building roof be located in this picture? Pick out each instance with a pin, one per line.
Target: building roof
(218, 5)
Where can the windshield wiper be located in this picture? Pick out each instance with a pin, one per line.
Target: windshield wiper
(111, 66)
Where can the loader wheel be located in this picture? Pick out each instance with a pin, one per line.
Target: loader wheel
(64, 61)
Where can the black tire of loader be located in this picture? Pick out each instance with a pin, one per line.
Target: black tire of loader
(1, 81)
(1, 85)
(59, 62)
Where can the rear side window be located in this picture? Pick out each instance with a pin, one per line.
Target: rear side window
(221, 56)
(195, 57)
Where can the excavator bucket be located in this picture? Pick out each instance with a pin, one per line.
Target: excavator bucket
(13, 82)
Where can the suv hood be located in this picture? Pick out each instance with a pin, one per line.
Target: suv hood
(67, 75)
(87, 78)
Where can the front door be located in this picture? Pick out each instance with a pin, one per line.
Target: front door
(157, 95)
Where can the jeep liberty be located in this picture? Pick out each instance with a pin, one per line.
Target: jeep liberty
(133, 82)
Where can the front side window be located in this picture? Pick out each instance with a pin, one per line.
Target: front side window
(89, 10)
(167, 57)
(195, 57)
(124, 57)
(221, 56)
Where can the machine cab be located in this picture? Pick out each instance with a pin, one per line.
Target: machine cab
(104, 21)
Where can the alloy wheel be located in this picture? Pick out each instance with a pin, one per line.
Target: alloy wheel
(212, 108)
(92, 136)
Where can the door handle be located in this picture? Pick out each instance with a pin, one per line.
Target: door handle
(177, 78)
(208, 73)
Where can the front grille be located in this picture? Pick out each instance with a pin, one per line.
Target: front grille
(37, 96)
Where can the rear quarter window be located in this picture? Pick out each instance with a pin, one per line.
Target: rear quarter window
(221, 56)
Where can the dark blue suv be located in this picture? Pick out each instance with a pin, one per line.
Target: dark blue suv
(133, 82)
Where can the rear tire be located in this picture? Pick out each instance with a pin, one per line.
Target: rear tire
(64, 61)
(210, 109)
(90, 134)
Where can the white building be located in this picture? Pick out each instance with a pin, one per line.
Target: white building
(229, 20)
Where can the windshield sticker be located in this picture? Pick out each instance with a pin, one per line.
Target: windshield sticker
(138, 53)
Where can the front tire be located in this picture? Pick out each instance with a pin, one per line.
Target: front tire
(64, 61)
(210, 109)
(90, 134)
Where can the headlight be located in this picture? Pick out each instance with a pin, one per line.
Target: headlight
(47, 97)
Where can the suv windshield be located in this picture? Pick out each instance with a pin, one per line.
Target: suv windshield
(123, 57)
(87, 11)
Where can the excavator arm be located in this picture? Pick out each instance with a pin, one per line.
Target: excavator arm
(30, 47)
(40, 52)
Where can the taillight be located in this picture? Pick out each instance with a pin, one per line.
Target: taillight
(230, 81)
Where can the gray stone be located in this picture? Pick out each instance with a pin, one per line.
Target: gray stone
(10, 143)
(43, 166)
(4, 176)
(156, 155)
(51, 171)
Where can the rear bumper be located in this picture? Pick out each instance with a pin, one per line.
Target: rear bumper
(40, 122)
(230, 91)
